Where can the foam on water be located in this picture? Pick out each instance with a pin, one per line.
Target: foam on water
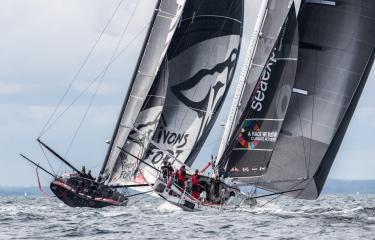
(330, 217)
(168, 207)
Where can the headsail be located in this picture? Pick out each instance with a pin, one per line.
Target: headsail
(129, 169)
(265, 96)
(336, 56)
(201, 59)
(162, 28)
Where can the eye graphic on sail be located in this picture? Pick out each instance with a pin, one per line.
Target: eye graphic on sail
(209, 104)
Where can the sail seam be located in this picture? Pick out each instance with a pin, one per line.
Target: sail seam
(214, 16)
(286, 59)
(142, 98)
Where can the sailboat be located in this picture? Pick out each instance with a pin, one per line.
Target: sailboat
(301, 68)
(274, 46)
(304, 71)
(80, 189)
(285, 139)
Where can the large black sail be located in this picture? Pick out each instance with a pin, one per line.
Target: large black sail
(254, 139)
(201, 60)
(336, 55)
(164, 23)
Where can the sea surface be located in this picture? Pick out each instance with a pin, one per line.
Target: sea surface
(329, 217)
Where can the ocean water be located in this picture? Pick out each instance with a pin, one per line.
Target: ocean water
(330, 217)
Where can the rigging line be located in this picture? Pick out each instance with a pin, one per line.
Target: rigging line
(281, 194)
(314, 93)
(49, 163)
(102, 78)
(40, 185)
(81, 68)
(302, 138)
(137, 194)
(95, 79)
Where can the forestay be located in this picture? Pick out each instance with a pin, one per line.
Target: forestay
(164, 23)
(201, 62)
(336, 56)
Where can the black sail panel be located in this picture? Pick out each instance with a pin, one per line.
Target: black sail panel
(271, 22)
(336, 55)
(201, 58)
(254, 141)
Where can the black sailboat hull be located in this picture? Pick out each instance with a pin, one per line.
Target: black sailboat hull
(75, 197)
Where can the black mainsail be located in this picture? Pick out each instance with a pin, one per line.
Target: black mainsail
(164, 23)
(201, 60)
(336, 56)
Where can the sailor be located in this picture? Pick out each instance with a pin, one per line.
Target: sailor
(195, 185)
(215, 189)
(164, 170)
(83, 170)
(203, 196)
(167, 171)
(181, 177)
(89, 176)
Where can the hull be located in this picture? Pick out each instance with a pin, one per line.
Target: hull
(182, 199)
(74, 196)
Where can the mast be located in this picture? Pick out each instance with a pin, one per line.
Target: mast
(242, 81)
(123, 108)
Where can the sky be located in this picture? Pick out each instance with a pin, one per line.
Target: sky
(43, 44)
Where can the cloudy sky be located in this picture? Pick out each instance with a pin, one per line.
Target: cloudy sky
(42, 45)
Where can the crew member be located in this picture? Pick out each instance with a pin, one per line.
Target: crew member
(167, 171)
(181, 177)
(89, 176)
(164, 170)
(83, 171)
(215, 189)
(195, 190)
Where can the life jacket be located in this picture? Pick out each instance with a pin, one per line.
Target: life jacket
(195, 179)
(181, 175)
(170, 170)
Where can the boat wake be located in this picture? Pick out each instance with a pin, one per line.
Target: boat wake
(168, 207)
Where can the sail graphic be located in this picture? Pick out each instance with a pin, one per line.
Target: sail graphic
(165, 21)
(254, 139)
(336, 56)
(270, 20)
(201, 60)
